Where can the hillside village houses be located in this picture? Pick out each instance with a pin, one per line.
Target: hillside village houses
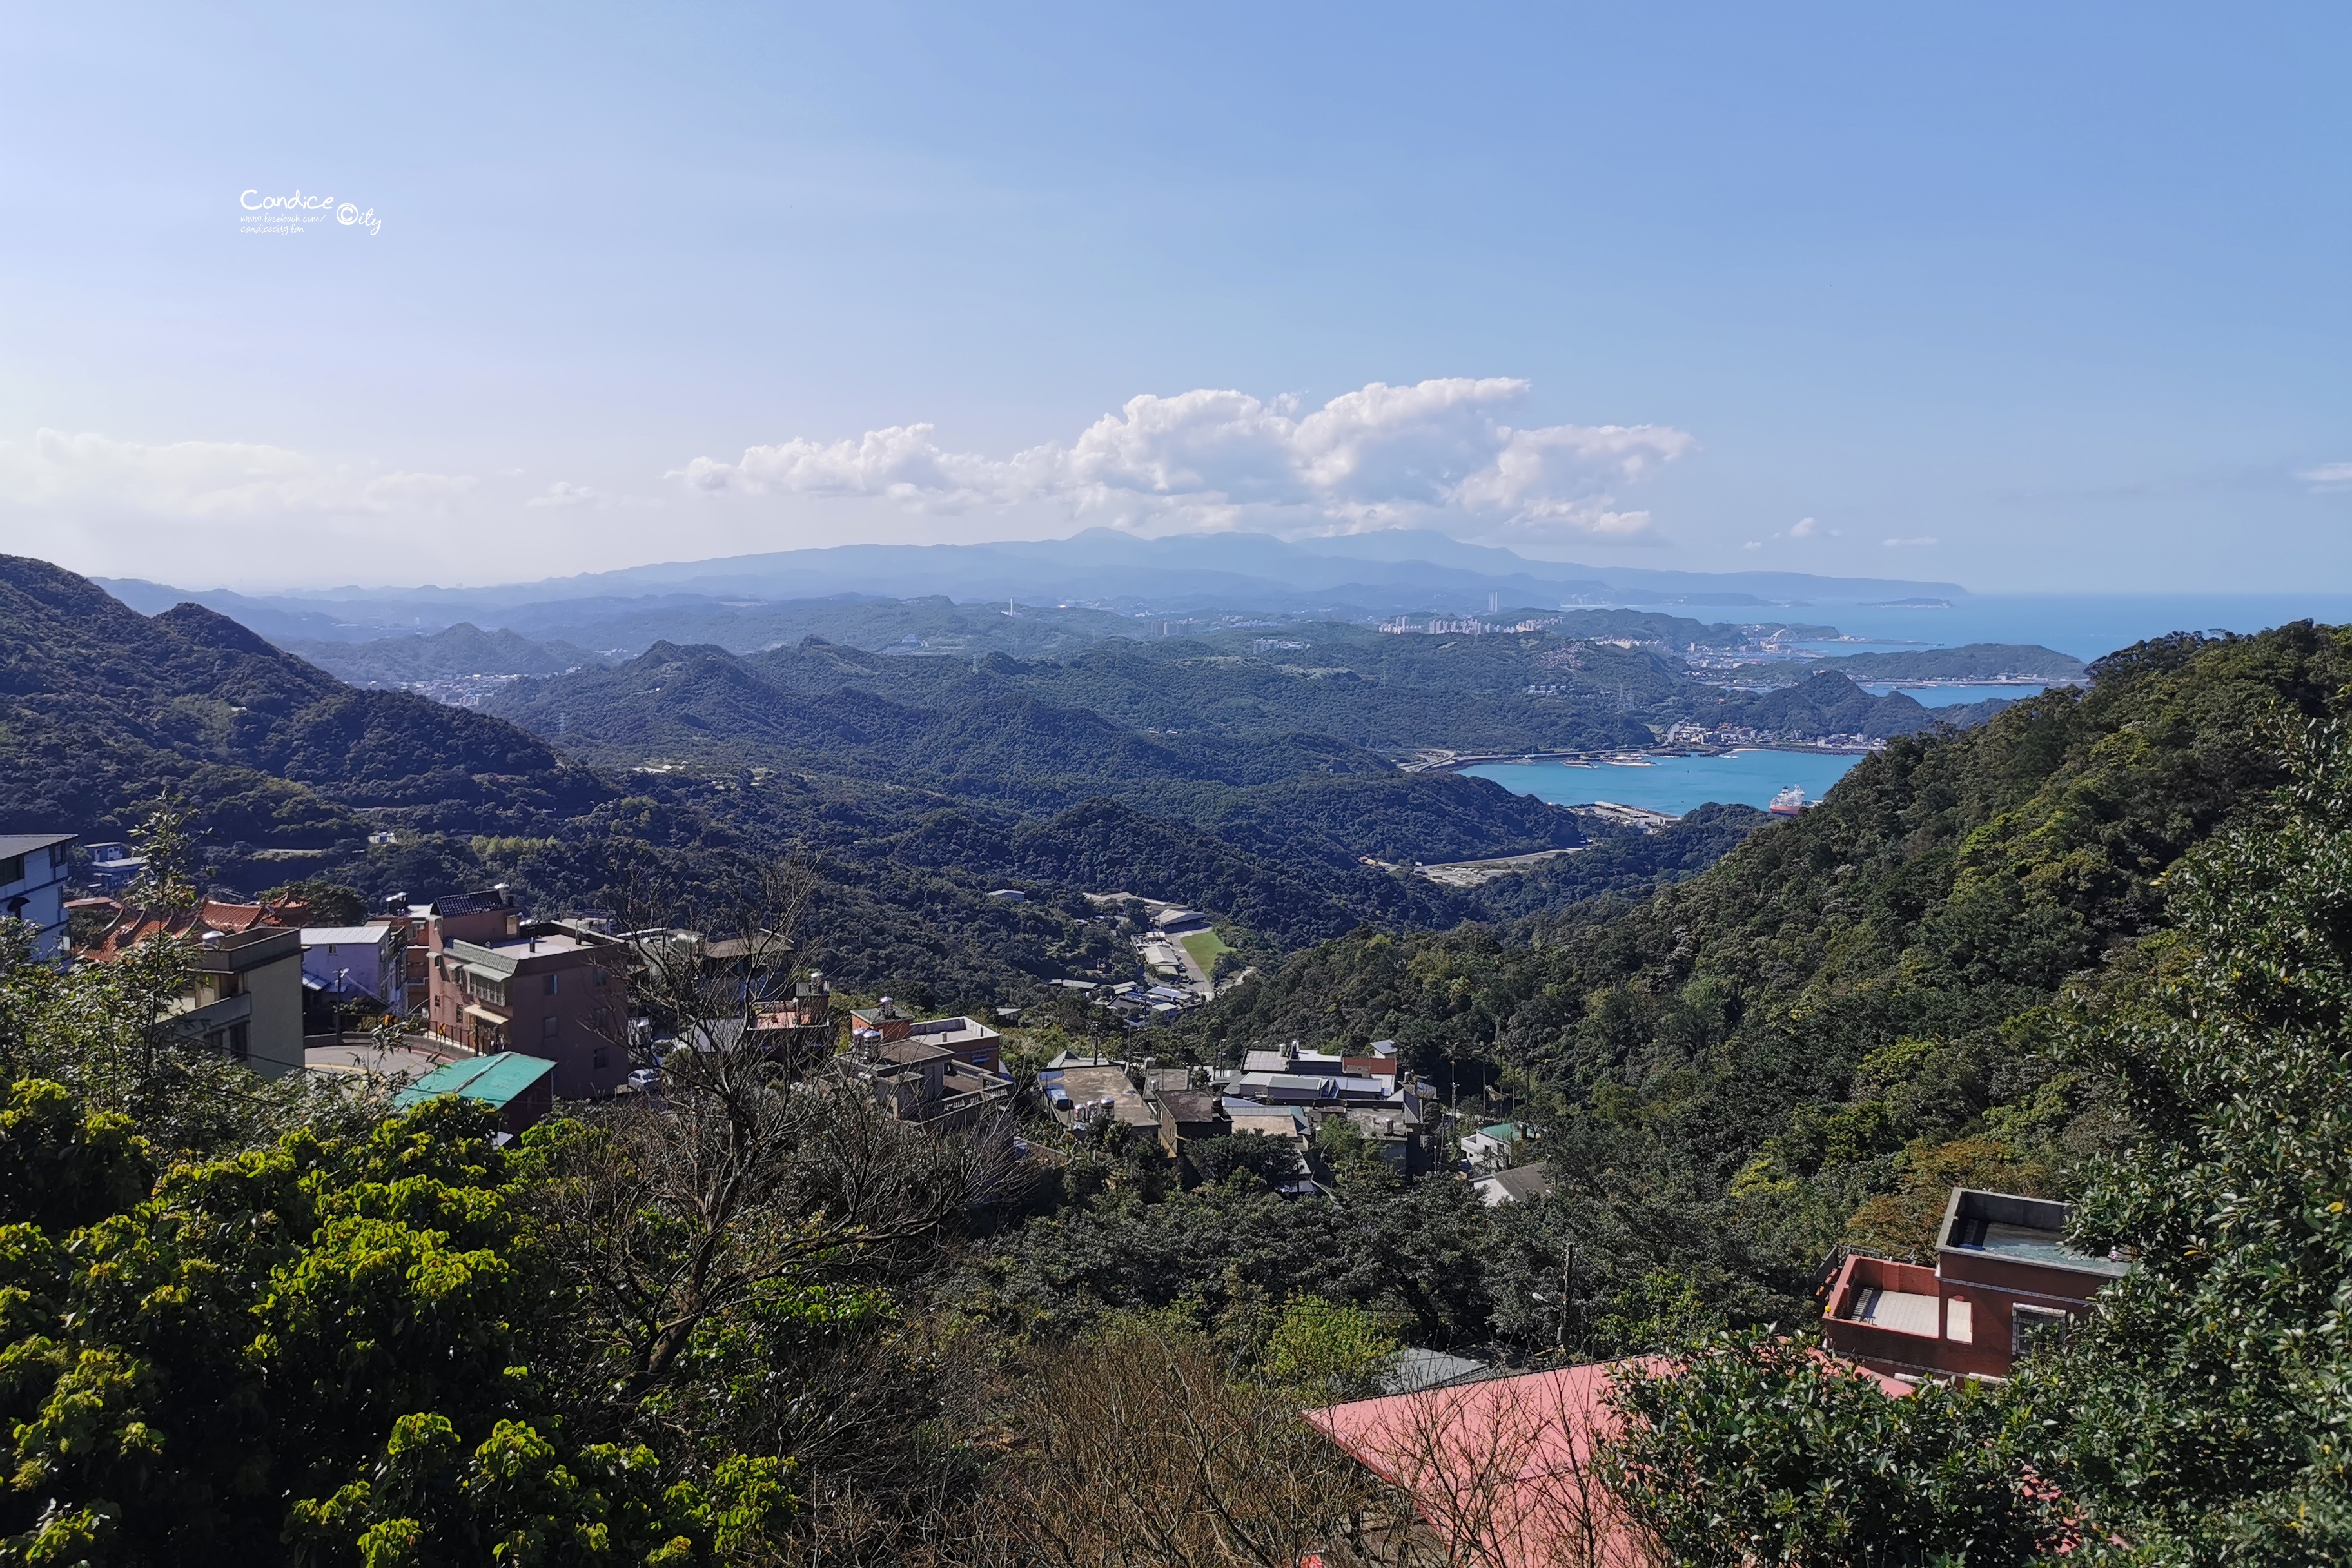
(476, 978)
(1288, 1094)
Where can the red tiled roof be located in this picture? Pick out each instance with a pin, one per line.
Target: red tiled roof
(133, 926)
(1503, 1468)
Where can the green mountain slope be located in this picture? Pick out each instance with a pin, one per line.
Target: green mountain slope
(1851, 1009)
(101, 709)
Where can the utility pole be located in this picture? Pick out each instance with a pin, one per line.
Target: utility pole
(1566, 1289)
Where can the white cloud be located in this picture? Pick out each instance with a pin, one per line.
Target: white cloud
(211, 511)
(1753, 544)
(2329, 476)
(1439, 451)
(201, 480)
(1804, 528)
(564, 493)
(198, 480)
(1920, 543)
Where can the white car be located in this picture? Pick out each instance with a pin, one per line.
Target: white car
(644, 1079)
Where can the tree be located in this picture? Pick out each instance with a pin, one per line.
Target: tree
(1330, 1351)
(339, 1346)
(1754, 1449)
(2200, 1412)
(167, 882)
(1140, 1448)
(330, 903)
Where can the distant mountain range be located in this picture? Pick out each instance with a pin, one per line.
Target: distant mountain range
(1386, 573)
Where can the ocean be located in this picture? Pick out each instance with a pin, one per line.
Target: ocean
(2082, 624)
(1676, 785)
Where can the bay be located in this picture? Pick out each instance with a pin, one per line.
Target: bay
(1676, 785)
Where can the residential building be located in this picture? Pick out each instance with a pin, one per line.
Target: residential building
(521, 1088)
(801, 1026)
(243, 996)
(113, 867)
(1491, 1148)
(33, 887)
(967, 1040)
(1188, 1115)
(1519, 1184)
(886, 1021)
(1082, 1090)
(917, 1080)
(368, 960)
(548, 987)
(2003, 1274)
(485, 914)
(1392, 1114)
(973, 1043)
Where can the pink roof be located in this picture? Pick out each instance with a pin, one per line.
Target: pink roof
(1501, 1470)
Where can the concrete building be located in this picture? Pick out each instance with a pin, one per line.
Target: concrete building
(33, 887)
(547, 988)
(2003, 1274)
(245, 998)
(368, 961)
(919, 1081)
(967, 1040)
(1189, 1115)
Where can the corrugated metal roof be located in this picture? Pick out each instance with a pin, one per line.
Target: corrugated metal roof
(497, 1079)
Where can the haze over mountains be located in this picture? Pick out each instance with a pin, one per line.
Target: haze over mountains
(1368, 574)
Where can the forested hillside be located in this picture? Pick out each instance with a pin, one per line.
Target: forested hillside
(1820, 1034)
(915, 785)
(105, 708)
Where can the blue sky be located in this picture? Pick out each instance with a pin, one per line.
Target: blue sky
(2051, 296)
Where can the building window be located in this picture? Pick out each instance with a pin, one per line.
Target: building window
(548, 1026)
(551, 985)
(597, 977)
(600, 1058)
(2031, 1328)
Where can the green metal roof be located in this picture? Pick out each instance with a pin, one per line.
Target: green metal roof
(496, 1078)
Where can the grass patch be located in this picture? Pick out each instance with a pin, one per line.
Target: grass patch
(1204, 946)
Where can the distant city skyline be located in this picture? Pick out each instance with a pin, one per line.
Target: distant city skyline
(2019, 299)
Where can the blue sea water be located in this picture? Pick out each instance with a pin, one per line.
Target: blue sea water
(1676, 785)
(2084, 625)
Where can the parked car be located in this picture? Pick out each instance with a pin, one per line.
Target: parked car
(644, 1079)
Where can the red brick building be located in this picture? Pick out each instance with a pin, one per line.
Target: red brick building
(2003, 1274)
(549, 988)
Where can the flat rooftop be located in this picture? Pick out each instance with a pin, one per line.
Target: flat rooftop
(1092, 1085)
(532, 946)
(2021, 1229)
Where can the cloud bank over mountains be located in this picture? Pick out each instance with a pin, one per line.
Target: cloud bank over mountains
(1441, 453)
(198, 480)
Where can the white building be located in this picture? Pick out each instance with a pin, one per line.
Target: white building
(33, 887)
